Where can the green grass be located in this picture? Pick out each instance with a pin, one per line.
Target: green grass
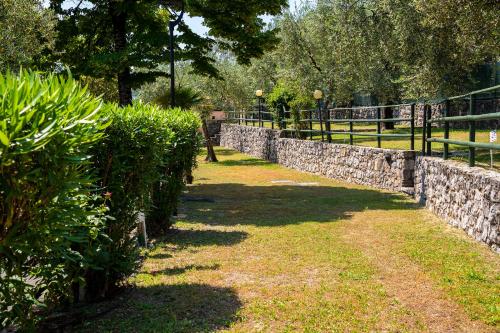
(261, 248)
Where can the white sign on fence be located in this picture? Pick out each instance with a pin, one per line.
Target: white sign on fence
(493, 136)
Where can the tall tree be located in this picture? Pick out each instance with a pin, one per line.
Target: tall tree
(26, 30)
(128, 39)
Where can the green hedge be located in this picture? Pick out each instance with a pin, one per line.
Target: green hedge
(144, 146)
(50, 217)
(74, 174)
(182, 149)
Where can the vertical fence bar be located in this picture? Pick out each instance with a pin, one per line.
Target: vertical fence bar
(310, 124)
(321, 121)
(424, 130)
(379, 128)
(284, 116)
(428, 111)
(472, 130)
(246, 117)
(239, 117)
(328, 127)
(446, 113)
(412, 126)
(260, 112)
(272, 119)
(351, 127)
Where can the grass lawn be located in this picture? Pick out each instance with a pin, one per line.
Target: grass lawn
(261, 248)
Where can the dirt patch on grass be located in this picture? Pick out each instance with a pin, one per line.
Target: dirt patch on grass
(406, 282)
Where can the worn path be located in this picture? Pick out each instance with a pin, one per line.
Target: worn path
(260, 248)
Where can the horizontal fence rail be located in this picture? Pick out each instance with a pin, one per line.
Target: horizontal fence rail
(323, 123)
(471, 118)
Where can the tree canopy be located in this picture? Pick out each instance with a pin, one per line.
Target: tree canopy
(26, 31)
(128, 39)
(390, 49)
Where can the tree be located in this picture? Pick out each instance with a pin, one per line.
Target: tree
(117, 38)
(26, 30)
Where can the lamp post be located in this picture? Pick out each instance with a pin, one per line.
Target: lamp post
(259, 94)
(318, 95)
(171, 28)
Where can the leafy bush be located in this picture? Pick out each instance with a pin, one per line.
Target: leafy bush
(143, 150)
(291, 98)
(50, 221)
(180, 158)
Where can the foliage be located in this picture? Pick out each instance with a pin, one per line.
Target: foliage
(50, 218)
(158, 93)
(26, 30)
(144, 145)
(291, 99)
(105, 88)
(180, 159)
(391, 49)
(107, 38)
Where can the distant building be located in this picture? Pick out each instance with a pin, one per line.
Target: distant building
(217, 115)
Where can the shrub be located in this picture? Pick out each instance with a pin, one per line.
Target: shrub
(291, 98)
(49, 216)
(180, 158)
(141, 146)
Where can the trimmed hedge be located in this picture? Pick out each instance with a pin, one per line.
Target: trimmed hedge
(145, 154)
(74, 174)
(180, 159)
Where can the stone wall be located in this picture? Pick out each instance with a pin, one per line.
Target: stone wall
(467, 198)
(382, 168)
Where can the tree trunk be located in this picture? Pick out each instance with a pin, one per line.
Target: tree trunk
(210, 148)
(119, 21)
(388, 114)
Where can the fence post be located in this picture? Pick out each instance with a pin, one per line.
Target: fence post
(283, 119)
(412, 126)
(351, 127)
(328, 127)
(424, 130)
(429, 129)
(446, 113)
(472, 131)
(379, 128)
(321, 121)
(272, 119)
(260, 112)
(310, 124)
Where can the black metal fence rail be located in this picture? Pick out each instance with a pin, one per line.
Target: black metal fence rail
(324, 118)
(471, 118)
(303, 123)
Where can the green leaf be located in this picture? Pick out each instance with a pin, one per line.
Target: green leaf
(4, 139)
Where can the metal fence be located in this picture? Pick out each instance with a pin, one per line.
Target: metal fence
(347, 124)
(472, 118)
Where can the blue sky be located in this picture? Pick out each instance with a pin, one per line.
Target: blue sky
(196, 23)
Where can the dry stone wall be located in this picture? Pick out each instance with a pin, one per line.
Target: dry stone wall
(382, 168)
(467, 198)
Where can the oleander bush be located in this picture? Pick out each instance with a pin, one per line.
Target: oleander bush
(51, 217)
(74, 175)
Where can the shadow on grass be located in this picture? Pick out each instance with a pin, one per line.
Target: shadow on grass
(172, 308)
(283, 204)
(182, 270)
(244, 162)
(183, 238)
